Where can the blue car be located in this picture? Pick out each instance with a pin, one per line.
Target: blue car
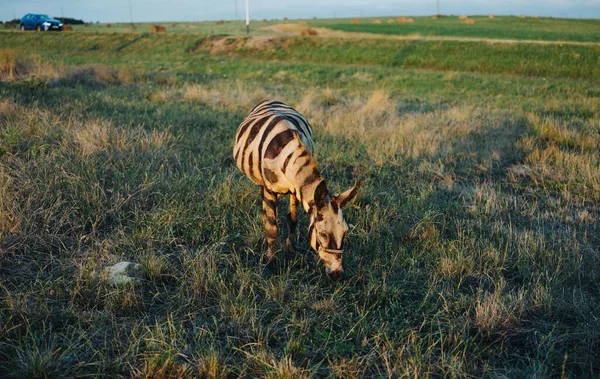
(40, 22)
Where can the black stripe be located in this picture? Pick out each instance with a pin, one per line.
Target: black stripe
(269, 203)
(303, 167)
(243, 127)
(250, 168)
(287, 160)
(255, 130)
(259, 104)
(266, 133)
(270, 175)
(278, 143)
(297, 125)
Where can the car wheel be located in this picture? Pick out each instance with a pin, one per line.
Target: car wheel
(22, 27)
(38, 28)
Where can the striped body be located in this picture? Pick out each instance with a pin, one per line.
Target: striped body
(274, 148)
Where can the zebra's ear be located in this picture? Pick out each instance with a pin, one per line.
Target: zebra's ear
(343, 199)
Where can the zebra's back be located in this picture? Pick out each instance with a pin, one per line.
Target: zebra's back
(269, 139)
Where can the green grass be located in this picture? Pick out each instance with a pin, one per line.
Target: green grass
(473, 246)
(544, 29)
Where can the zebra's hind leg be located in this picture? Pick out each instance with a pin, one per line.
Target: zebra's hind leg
(269, 211)
(292, 219)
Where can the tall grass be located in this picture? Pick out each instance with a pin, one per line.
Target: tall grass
(472, 246)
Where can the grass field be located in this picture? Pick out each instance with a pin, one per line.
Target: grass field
(542, 29)
(474, 243)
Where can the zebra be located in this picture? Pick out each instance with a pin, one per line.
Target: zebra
(274, 148)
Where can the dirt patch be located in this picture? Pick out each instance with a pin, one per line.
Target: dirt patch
(231, 45)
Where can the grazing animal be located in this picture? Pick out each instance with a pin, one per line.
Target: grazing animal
(274, 149)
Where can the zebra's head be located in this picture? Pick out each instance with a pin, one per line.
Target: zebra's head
(328, 228)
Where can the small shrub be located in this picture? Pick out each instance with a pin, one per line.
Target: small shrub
(108, 25)
(378, 21)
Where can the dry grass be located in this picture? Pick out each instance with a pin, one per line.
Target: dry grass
(463, 17)
(498, 311)
(491, 16)
(13, 67)
(67, 28)
(377, 22)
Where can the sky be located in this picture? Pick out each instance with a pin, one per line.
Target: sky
(200, 10)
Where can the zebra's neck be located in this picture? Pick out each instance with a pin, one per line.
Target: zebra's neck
(309, 187)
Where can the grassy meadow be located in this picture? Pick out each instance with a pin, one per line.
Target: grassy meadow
(474, 248)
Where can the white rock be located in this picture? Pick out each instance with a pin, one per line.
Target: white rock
(122, 273)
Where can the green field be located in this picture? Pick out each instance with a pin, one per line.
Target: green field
(474, 248)
(543, 29)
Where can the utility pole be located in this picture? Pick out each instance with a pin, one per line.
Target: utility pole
(130, 13)
(247, 19)
(236, 13)
(438, 8)
(62, 14)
